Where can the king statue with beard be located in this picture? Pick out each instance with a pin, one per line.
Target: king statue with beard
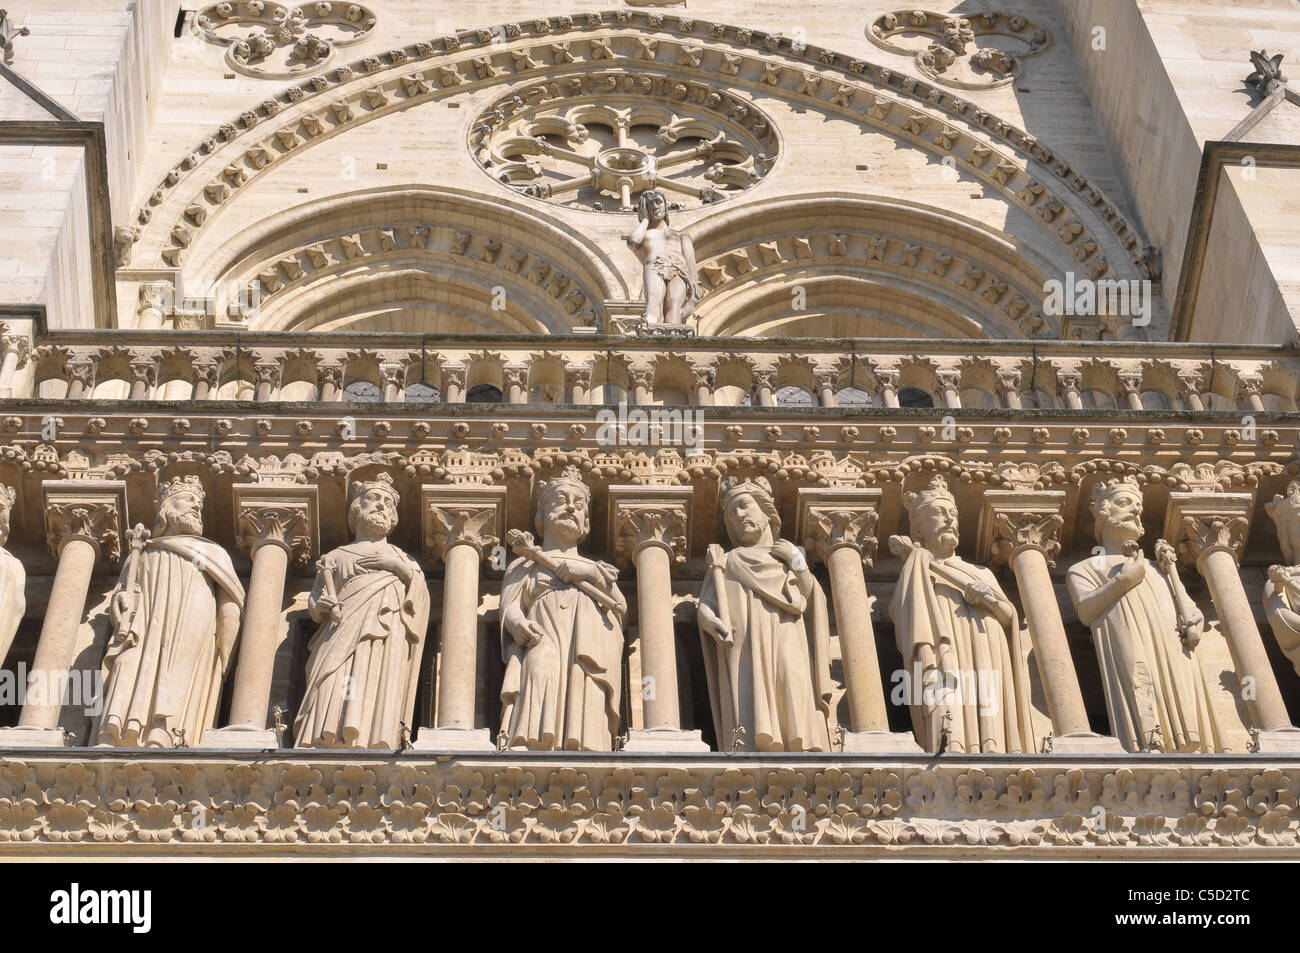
(175, 614)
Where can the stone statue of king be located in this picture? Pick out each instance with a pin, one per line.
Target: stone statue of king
(561, 631)
(959, 636)
(175, 613)
(1145, 629)
(373, 603)
(766, 632)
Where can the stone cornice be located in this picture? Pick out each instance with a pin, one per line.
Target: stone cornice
(303, 804)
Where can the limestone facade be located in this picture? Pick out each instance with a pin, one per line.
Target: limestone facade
(648, 430)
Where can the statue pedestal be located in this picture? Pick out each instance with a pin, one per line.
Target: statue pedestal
(32, 738)
(880, 742)
(1086, 744)
(239, 738)
(453, 739)
(664, 741)
(1279, 741)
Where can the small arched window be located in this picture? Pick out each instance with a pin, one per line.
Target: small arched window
(914, 397)
(791, 396)
(853, 397)
(483, 394)
(361, 392)
(422, 393)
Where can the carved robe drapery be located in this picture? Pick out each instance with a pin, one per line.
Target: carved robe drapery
(163, 670)
(1149, 676)
(1285, 628)
(563, 692)
(362, 670)
(13, 602)
(777, 671)
(970, 667)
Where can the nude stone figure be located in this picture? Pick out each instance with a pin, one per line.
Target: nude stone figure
(672, 284)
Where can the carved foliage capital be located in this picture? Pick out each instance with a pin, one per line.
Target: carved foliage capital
(637, 526)
(1206, 533)
(97, 522)
(1199, 524)
(829, 528)
(1017, 531)
(467, 524)
(283, 524)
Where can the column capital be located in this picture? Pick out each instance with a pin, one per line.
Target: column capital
(831, 518)
(278, 515)
(1198, 524)
(456, 514)
(1013, 521)
(641, 516)
(91, 510)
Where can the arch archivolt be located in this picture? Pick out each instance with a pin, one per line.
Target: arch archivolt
(684, 60)
(761, 263)
(498, 268)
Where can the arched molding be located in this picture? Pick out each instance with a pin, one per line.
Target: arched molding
(841, 306)
(971, 280)
(512, 269)
(607, 48)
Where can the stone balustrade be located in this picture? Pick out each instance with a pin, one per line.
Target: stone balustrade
(670, 371)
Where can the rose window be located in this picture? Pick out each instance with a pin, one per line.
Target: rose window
(601, 154)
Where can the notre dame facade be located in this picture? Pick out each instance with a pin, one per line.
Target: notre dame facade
(588, 428)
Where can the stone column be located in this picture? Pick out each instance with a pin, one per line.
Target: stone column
(392, 376)
(765, 387)
(462, 524)
(16, 349)
(266, 376)
(1069, 383)
(650, 529)
(838, 527)
(1130, 385)
(887, 379)
(154, 304)
(84, 522)
(703, 379)
(949, 380)
(81, 378)
(1009, 381)
(1250, 388)
(1189, 389)
(1023, 527)
(453, 383)
(825, 380)
(1209, 530)
(577, 382)
(278, 525)
(329, 382)
(516, 377)
(206, 378)
(642, 379)
(144, 374)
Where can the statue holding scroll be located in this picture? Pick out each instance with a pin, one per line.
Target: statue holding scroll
(1145, 629)
(561, 630)
(669, 275)
(175, 615)
(766, 631)
(959, 636)
(13, 578)
(373, 605)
